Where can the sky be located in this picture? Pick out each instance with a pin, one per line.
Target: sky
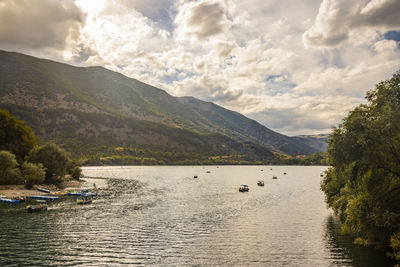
(295, 66)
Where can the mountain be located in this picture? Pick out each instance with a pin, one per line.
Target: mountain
(241, 128)
(87, 106)
(316, 141)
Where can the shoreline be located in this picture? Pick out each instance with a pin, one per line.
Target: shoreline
(11, 191)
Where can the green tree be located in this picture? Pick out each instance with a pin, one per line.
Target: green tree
(363, 183)
(16, 136)
(9, 171)
(53, 158)
(76, 172)
(32, 173)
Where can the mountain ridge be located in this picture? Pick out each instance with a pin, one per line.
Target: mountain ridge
(37, 89)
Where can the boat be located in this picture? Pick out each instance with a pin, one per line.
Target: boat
(244, 188)
(88, 194)
(84, 200)
(59, 193)
(40, 207)
(84, 193)
(9, 200)
(47, 198)
(20, 198)
(78, 194)
(274, 177)
(43, 190)
(260, 183)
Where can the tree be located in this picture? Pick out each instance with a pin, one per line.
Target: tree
(363, 183)
(53, 158)
(16, 136)
(9, 172)
(32, 173)
(76, 172)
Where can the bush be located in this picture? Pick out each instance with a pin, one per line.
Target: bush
(33, 173)
(76, 172)
(9, 172)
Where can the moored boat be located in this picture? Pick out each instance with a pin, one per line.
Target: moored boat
(40, 207)
(84, 193)
(59, 193)
(47, 198)
(84, 200)
(20, 198)
(43, 190)
(244, 188)
(9, 200)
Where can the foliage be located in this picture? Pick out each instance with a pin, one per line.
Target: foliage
(362, 185)
(32, 173)
(15, 135)
(319, 158)
(76, 172)
(395, 244)
(9, 171)
(53, 158)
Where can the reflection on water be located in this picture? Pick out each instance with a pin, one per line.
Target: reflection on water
(162, 216)
(345, 253)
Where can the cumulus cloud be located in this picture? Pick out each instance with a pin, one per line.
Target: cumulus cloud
(36, 24)
(202, 20)
(338, 19)
(248, 56)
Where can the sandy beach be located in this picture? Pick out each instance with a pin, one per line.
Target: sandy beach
(19, 190)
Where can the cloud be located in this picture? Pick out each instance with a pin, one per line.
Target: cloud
(337, 20)
(248, 56)
(36, 24)
(159, 11)
(287, 113)
(202, 20)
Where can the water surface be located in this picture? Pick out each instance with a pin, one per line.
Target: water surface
(163, 216)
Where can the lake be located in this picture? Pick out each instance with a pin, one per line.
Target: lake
(163, 216)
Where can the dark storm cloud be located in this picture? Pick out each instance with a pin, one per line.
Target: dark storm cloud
(36, 24)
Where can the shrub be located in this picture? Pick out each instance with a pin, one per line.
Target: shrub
(33, 173)
(76, 172)
(9, 172)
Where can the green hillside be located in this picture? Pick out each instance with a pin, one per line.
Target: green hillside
(63, 103)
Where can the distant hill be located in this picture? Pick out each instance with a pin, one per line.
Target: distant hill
(317, 141)
(84, 107)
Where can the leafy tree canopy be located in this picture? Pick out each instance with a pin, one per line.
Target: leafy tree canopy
(53, 158)
(15, 135)
(9, 171)
(363, 183)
